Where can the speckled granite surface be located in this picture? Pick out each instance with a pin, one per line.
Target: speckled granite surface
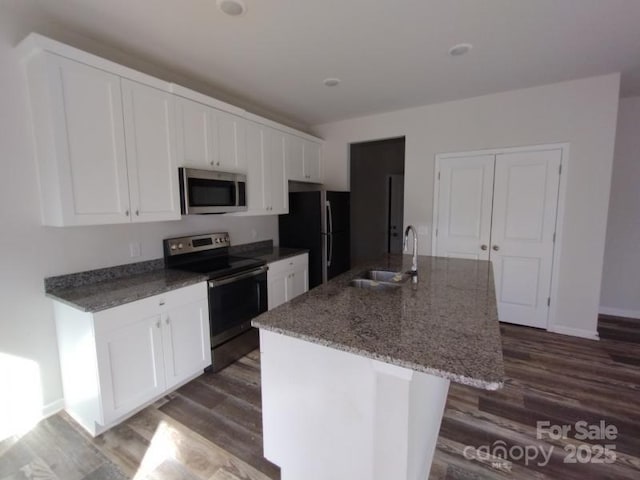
(446, 325)
(275, 253)
(265, 251)
(94, 296)
(79, 279)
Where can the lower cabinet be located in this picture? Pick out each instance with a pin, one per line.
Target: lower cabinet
(116, 361)
(287, 279)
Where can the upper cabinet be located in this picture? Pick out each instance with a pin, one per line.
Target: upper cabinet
(266, 176)
(80, 143)
(209, 138)
(302, 159)
(109, 141)
(149, 120)
(105, 145)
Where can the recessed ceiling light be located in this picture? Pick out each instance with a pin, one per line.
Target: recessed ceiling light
(331, 82)
(460, 49)
(232, 8)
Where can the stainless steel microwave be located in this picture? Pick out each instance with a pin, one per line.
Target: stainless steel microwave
(207, 191)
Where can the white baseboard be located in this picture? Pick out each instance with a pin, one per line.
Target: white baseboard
(575, 332)
(52, 408)
(619, 312)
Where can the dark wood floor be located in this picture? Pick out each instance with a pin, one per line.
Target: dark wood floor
(211, 430)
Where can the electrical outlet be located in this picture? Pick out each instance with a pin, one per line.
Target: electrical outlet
(134, 249)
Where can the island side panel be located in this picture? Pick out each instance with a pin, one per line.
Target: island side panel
(317, 409)
(332, 414)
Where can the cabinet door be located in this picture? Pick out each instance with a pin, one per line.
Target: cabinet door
(196, 126)
(186, 342)
(464, 207)
(86, 109)
(130, 363)
(312, 172)
(151, 152)
(279, 185)
(258, 188)
(277, 287)
(297, 282)
(294, 153)
(231, 142)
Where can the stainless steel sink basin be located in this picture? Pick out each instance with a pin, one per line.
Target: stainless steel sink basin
(385, 276)
(373, 284)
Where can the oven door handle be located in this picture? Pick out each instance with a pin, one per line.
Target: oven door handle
(236, 277)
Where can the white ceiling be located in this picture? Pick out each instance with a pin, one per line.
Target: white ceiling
(389, 54)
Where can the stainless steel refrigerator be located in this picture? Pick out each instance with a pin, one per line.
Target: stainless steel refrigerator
(319, 221)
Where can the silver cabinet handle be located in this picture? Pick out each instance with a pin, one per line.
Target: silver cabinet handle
(167, 321)
(218, 163)
(158, 324)
(496, 247)
(161, 303)
(483, 247)
(137, 213)
(126, 213)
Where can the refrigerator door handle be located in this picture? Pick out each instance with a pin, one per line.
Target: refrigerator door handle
(329, 233)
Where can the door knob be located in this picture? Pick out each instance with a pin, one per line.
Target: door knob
(496, 247)
(483, 247)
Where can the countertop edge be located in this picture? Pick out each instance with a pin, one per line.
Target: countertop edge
(472, 382)
(187, 282)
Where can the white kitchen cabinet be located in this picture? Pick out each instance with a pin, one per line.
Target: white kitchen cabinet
(80, 142)
(116, 361)
(303, 159)
(287, 279)
(185, 341)
(294, 153)
(105, 145)
(149, 120)
(210, 138)
(266, 177)
(231, 142)
(196, 132)
(312, 163)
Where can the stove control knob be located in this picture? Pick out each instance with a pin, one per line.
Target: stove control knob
(173, 246)
(180, 245)
(226, 239)
(217, 239)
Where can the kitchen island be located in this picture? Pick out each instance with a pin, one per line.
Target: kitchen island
(354, 380)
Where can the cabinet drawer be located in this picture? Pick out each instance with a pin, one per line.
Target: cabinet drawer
(290, 263)
(122, 315)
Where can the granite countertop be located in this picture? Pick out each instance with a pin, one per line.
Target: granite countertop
(96, 290)
(274, 254)
(102, 289)
(446, 325)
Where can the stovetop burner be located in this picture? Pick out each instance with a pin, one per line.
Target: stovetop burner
(222, 266)
(207, 254)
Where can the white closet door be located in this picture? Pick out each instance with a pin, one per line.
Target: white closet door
(464, 207)
(524, 215)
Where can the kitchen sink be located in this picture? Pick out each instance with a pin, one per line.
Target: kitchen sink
(373, 284)
(385, 276)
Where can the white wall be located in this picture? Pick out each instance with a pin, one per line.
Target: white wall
(582, 113)
(30, 252)
(621, 274)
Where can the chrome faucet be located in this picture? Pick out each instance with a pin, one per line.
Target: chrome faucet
(414, 263)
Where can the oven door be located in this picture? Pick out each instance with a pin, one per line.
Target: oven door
(234, 301)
